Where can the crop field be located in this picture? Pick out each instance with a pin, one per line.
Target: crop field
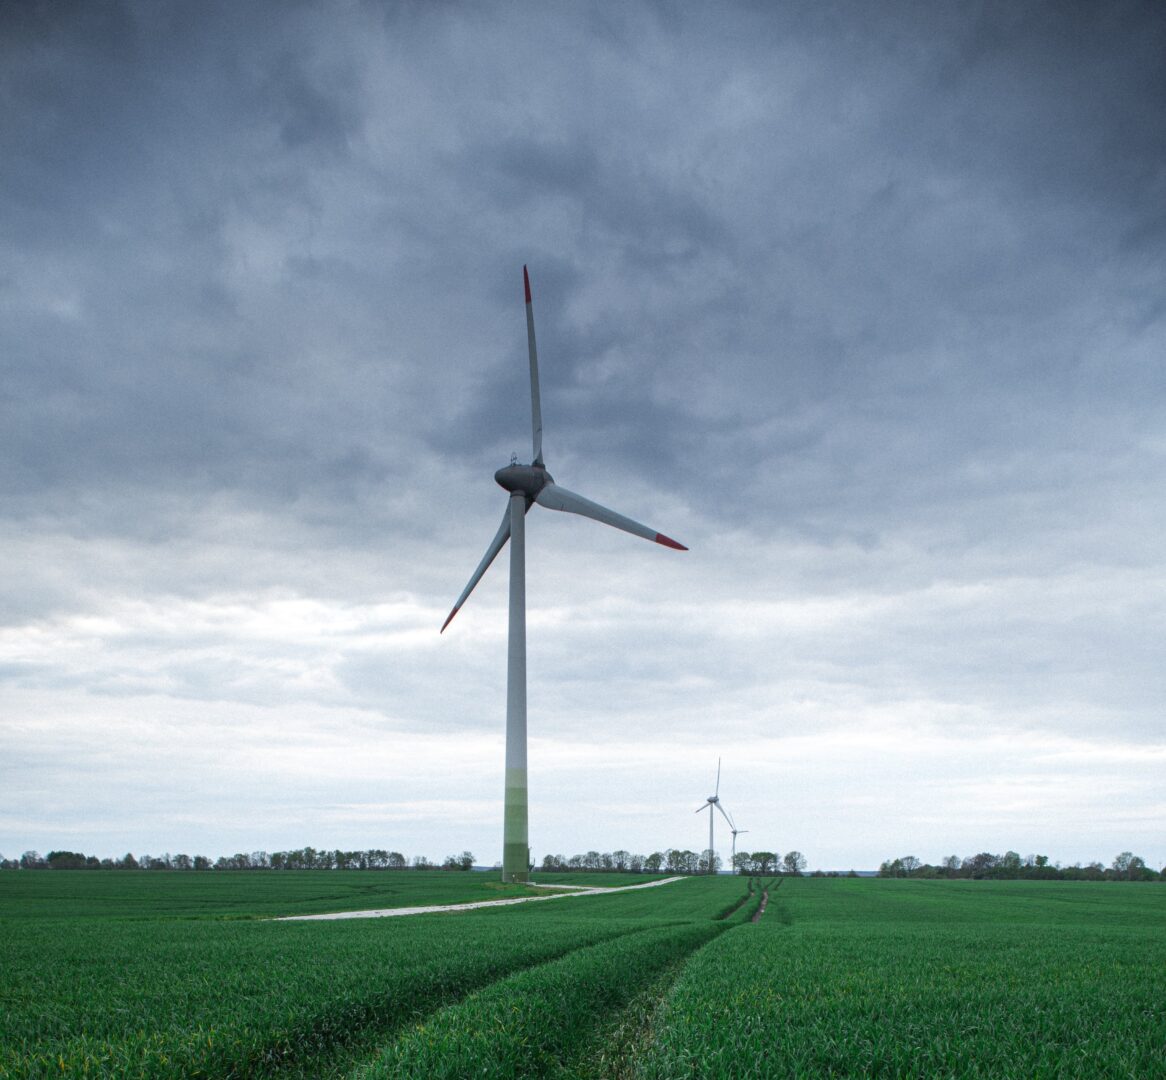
(109, 974)
(928, 979)
(247, 894)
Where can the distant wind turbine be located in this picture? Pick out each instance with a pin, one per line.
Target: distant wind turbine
(736, 832)
(529, 484)
(712, 801)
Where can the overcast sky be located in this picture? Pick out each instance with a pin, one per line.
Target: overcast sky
(866, 304)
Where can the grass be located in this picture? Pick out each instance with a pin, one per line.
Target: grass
(926, 979)
(57, 894)
(207, 998)
(539, 1022)
(595, 880)
(165, 976)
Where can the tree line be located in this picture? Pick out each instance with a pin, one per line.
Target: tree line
(674, 861)
(1125, 867)
(308, 858)
(669, 861)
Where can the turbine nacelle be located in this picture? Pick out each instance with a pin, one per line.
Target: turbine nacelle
(527, 480)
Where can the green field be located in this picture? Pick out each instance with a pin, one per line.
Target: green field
(172, 974)
(247, 894)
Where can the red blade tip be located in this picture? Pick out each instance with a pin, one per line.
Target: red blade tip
(448, 620)
(526, 283)
(667, 541)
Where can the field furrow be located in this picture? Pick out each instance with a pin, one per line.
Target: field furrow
(247, 999)
(540, 1022)
(897, 990)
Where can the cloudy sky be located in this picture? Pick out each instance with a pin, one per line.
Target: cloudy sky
(865, 304)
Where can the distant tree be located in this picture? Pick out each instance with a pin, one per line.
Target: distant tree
(1010, 865)
(201, 862)
(1129, 867)
(911, 864)
(32, 860)
(619, 860)
(653, 862)
(396, 860)
(709, 862)
(65, 860)
(765, 862)
(636, 864)
(181, 862)
(742, 862)
(891, 868)
(979, 866)
(420, 862)
(793, 863)
(680, 861)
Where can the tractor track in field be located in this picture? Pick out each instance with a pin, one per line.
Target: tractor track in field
(389, 913)
(616, 1009)
(756, 917)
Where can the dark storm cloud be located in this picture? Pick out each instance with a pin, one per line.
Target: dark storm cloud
(925, 182)
(137, 142)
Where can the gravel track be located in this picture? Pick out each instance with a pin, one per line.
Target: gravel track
(389, 913)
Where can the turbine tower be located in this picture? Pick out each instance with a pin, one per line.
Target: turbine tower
(714, 801)
(527, 485)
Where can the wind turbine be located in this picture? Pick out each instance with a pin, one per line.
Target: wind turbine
(735, 831)
(714, 801)
(530, 484)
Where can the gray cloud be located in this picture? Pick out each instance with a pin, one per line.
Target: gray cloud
(864, 304)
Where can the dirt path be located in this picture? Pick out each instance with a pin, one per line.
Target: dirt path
(389, 913)
(761, 907)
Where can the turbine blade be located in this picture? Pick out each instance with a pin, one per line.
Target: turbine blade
(536, 409)
(496, 546)
(700, 808)
(724, 815)
(718, 787)
(554, 497)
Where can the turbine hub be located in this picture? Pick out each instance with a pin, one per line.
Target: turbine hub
(527, 479)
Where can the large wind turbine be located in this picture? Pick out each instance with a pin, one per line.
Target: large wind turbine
(529, 484)
(714, 801)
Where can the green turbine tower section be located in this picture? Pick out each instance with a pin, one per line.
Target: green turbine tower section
(527, 485)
